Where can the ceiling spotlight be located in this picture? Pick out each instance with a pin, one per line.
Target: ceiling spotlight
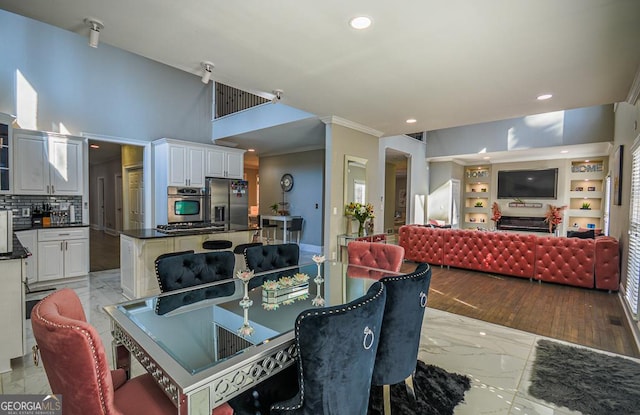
(95, 26)
(207, 67)
(277, 95)
(411, 121)
(360, 22)
(544, 97)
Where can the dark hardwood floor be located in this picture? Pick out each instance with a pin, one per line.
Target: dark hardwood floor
(104, 251)
(587, 317)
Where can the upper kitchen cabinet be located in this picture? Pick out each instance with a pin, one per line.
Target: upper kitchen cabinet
(183, 162)
(225, 162)
(47, 164)
(5, 153)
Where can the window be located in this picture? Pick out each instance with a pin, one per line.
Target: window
(633, 264)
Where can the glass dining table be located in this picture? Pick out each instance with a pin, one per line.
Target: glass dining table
(207, 344)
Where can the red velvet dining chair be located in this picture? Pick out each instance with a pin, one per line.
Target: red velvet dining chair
(76, 365)
(375, 255)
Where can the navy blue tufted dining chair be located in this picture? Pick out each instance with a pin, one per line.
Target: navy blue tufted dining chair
(397, 354)
(269, 257)
(185, 269)
(336, 352)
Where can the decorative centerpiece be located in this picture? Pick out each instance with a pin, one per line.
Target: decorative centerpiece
(246, 329)
(554, 216)
(245, 277)
(361, 212)
(318, 301)
(285, 291)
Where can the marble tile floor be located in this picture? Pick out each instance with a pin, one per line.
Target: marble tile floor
(496, 358)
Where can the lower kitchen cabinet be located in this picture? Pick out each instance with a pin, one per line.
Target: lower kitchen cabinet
(60, 253)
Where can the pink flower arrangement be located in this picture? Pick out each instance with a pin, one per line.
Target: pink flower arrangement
(496, 215)
(554, 216)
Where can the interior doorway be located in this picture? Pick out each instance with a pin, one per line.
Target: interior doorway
(397, 194)
(108, 162)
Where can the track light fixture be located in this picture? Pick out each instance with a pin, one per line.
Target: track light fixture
(95, 26)
(277, 95)
(207, 67)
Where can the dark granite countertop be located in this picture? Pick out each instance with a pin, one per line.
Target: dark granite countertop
(64, 225)
(18, 252)
(153, 233)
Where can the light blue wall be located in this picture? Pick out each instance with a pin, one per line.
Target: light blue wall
(307, 169)
(104, 91)
(578, 126)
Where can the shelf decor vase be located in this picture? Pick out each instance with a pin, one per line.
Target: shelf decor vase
(360, 228)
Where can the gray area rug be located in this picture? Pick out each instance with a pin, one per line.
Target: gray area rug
(586, 381)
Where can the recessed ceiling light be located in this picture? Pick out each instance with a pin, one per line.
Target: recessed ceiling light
(544, 97)
(360, 22)
(411, 121)
(564, 151)
(94, 146)
(251, 150)
(586, 161)
(486, 157)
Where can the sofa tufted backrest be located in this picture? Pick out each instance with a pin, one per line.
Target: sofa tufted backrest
(375, 255)
(607, 265)
(422, 244)
(567, 261)
(500, 252)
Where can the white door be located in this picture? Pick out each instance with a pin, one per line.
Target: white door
(118, 198)
(136, 199)
(30, 166)
(50, 260)
(76, 255)
(65, 159)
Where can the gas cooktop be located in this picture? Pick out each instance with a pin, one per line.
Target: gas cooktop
(190, 227)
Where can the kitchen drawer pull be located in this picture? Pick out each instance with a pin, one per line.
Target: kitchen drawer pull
(64, 234)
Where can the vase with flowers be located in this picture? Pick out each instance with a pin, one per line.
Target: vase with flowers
(361, 212)
(554, 216)
(496, 214)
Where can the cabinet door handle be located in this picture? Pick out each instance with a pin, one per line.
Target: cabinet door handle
(62, 245)
(66, 245)
(64, 234)
(47, 189)
(53, 190)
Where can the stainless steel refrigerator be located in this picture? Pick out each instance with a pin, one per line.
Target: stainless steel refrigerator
(229, 201)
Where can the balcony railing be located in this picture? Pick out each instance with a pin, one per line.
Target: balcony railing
(230, 100)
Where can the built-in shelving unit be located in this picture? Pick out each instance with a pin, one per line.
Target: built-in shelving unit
(477, 197)
(586, 190)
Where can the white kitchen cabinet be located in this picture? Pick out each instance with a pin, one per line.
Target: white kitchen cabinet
(185, 165)
(62, 253)
(6, 163)
(47, 164)
(29, 239)
(137, 265)
(225, 162)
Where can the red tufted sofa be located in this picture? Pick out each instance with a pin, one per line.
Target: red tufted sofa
(589, 263)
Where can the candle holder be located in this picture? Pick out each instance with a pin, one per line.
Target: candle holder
(245, 276)
(318, 301)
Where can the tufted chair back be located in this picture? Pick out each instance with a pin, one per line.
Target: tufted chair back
(401, 326)
(375, 255)
(336, 353)
(269, 257)
(186, 270)
(76, 364)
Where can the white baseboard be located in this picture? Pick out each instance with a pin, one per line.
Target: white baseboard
(111, 231)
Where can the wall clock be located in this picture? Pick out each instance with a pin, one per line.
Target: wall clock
(286, 182)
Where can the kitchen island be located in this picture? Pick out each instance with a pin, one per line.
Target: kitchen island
(139, 249)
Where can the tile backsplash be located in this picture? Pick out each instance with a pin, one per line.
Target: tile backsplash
(20, 203)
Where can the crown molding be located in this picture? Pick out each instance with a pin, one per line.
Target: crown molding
(634, 91)
(332, 119)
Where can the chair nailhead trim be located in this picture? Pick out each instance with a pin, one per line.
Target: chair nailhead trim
(92, 346)
(320, 313)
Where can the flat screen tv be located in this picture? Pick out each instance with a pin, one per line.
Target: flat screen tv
(530, 184)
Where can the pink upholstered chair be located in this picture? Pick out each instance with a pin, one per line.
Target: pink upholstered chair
(76, 365)
(376, 255)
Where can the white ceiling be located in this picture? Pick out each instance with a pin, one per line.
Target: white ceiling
(444, 63)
